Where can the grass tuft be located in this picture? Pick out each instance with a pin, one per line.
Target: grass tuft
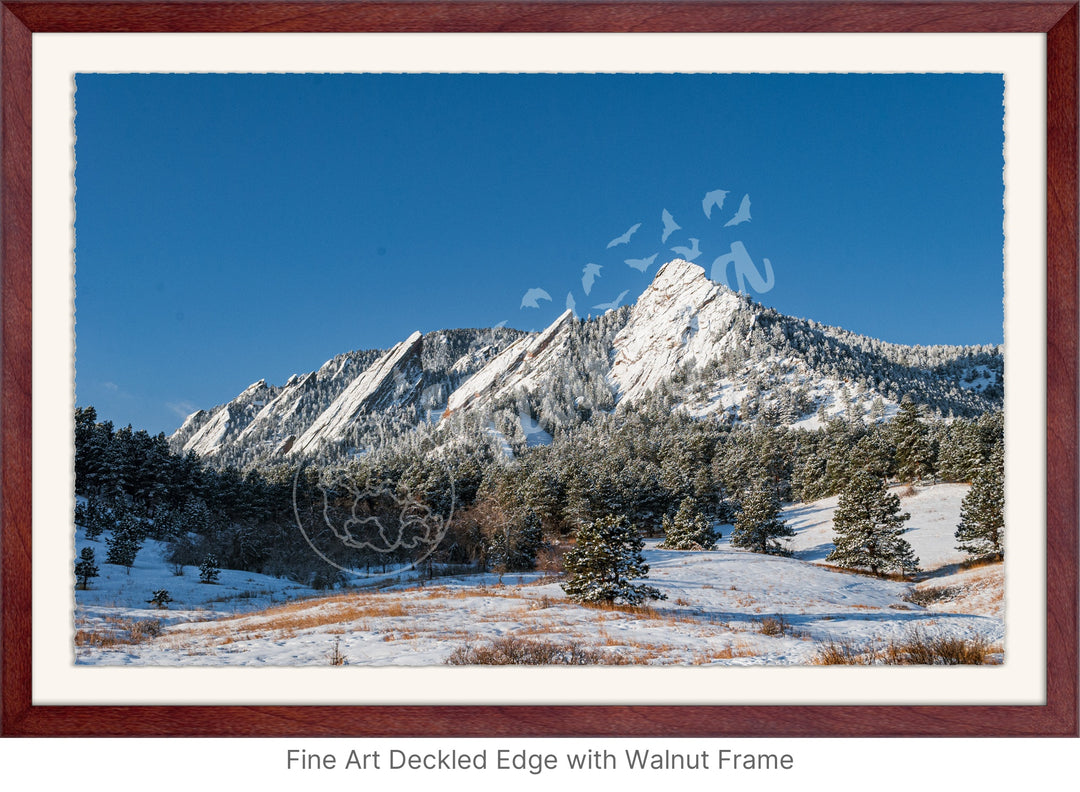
(512, 650)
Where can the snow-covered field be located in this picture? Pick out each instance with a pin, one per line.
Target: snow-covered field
(723, 607)
(934, 511)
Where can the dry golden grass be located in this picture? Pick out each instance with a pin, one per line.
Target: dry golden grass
(976, 563)
(745, 601)
(915, 649)
(287, 620)
(739, 649)
(115, 631)
(643, 611)
(536, 628)
(512, 650)
(98, 640)
(842, 652)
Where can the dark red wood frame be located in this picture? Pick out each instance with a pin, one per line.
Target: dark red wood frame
(1058, 20)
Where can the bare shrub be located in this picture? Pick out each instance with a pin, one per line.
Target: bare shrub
(335, 656)
(931, 594)
(145, 629)
(773, 625)
(974, 563)
(118, 632)
(915, 649)
(919, 649)
(544, 602)
(511, 650)
(842, 653)
(550, 556)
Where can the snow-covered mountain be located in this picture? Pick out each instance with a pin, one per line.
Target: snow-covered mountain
(686, 343)
(521, 367)
(391, 381)
(693, 343)
(331, 409)
(682, 319)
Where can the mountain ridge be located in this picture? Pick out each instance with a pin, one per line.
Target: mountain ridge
(687, 342)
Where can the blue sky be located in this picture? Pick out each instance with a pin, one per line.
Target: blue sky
(237, 227)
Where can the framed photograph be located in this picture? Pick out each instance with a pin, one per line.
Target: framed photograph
(616, 369)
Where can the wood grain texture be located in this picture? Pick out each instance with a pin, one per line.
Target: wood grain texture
(461, 17)
(1063, 196)
(15, 385)
(1058, 718)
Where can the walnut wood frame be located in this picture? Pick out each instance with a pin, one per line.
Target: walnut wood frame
(19, 20)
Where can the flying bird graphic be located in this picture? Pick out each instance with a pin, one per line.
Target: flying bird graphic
(501, 325)
(571, 303)
(642, 264)
(622, 240)
(714, 198)
(742, 215)
(688, 253)
(745, 270)
(670, 226)
(531, 296)
(590, 274)
(611, 305)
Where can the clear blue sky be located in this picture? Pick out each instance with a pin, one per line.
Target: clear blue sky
(237, 227)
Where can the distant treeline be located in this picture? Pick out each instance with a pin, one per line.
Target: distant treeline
(487, 511)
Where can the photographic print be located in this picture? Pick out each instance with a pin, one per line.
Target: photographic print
(539, 369)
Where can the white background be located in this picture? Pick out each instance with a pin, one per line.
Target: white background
(888, 764)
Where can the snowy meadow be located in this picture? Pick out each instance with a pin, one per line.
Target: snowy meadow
(721, 607)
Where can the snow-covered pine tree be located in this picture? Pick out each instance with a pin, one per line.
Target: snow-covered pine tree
(869, 525)
(124, 542)
(981, 532)
(208, 570)
(94, 518)
(873, 453)
(606, 558)
(514, 543)
(914, 455)
(690, 530)
(85, 568)
(759, 524)
(808, 481)
(160, 599)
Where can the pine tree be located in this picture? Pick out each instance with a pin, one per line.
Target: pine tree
(91, 517)
(981, 531)
(124, 542)
(604, 561)
(208, 570)
(513, 546)
(914, 455)
(690, 530)
(160, 600)
(759, 524)
(869, 525)
(85, 568)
